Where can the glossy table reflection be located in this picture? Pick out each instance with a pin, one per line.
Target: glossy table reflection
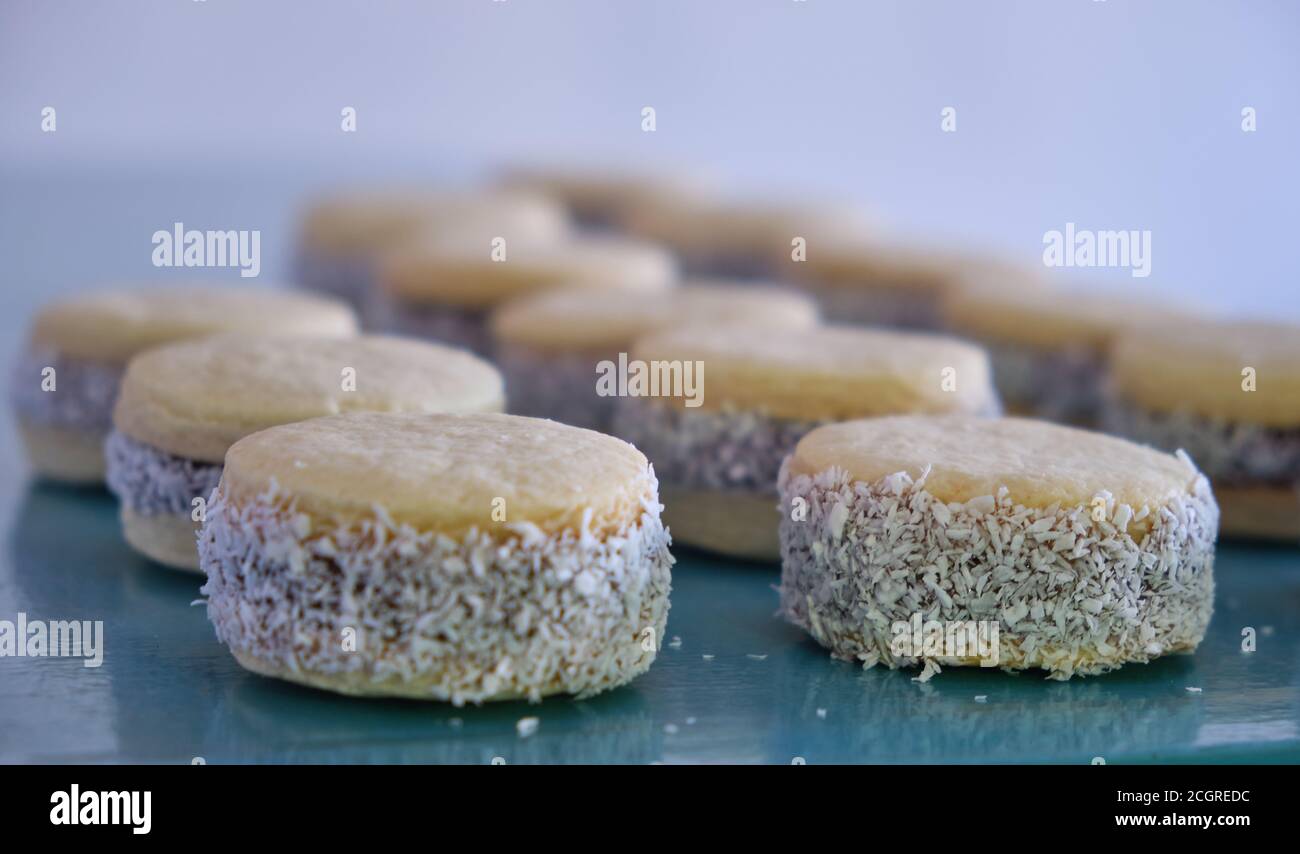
(168, 692)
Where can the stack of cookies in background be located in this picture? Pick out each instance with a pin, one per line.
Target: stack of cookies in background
(770, 379)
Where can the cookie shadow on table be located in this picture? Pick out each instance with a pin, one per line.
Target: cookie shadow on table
(67, 554)
(693, 557)
(839, 711)
(260, 719)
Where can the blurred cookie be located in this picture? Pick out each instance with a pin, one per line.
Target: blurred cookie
(462, 558)
(342, 235)
(554, 347)
(66, 382)
(1062, 550)
(1228, 393)
(746, 396)
(1049, 345)
(183, 406)
(870, 280)
(750, 238)
(602, 198)
(446, 289)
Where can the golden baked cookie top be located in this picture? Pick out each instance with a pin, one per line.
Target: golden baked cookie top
(195, 399)
(114, 325)
(875, 263)
(372, 221)
(1231, 370)
(1039, 463)
(582, 320)
(447, 473)
(603, 191)
(828, 372)
(481, 274)
(1052, 318)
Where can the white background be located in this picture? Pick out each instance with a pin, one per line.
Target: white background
(1114, 115)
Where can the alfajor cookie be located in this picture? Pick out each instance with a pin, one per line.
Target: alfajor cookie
(461, 558)
(66, 382)
(183, 406)
(342, 236)
(1049, 345)
(746, 396)
(729, 236)
(603, 197)
(1228, 393)
(1005, 542)
(555, 348)
(446, 289)
(871, 280)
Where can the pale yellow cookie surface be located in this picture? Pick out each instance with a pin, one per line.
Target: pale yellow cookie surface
(581, 320)
(1052, 318)
(464, 272)
(603, 192)
(113, 326)
(828, 372)
(874, 263)
(197, 398)
(446, 472)
(365, 222)
(1039, 463)
(764, 228)
(1207, 368)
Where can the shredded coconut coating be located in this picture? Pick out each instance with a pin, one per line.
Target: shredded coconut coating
(1230, 453)
(83, 396)
(1064, 386)
(1070, 595)
(464, 620)
(709, 449)
(559, 386)
(153, 482)
(458, 327)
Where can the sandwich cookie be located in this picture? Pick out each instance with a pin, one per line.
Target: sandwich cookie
(462, 558)
(184, 405)
(740, 237)
(1048, 345)
(603, 198)
(341, 236)
(559, 350)
(446, 289)
(868, 280)
(1228, 393)
(747, 396)
(66, 382)
(1005, 542)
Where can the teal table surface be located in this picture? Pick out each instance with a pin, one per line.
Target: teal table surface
(732, 684)
(741, 686)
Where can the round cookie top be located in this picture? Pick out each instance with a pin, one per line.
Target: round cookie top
(1235, 371)
(826, 372)
(113, 326)
(1051, 318)
(569, 321)
(195, 399)
(367, 222)
(606, 193)
(446, 473)
(1039, 463)
(763, 227)
(474, 273)
(870, 263)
